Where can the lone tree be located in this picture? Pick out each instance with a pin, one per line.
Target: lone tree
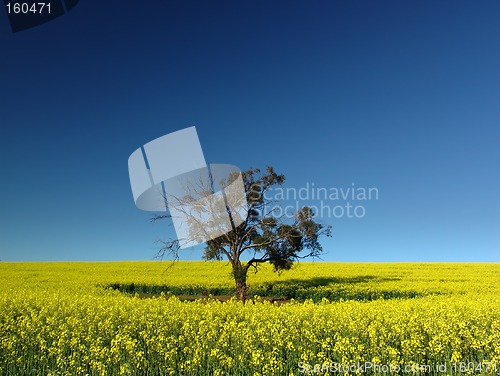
(261, 237)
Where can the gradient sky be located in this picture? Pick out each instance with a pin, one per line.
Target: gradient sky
(399, 95)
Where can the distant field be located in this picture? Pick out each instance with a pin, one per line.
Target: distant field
(404, 318)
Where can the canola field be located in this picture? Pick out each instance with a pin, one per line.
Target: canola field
(336, 318)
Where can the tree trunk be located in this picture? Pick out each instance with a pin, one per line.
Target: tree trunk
(242, 290)
(240, 277)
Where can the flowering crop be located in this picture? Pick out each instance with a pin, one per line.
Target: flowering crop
(63, 319)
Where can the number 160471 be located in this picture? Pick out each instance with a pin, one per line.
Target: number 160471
(25, 8)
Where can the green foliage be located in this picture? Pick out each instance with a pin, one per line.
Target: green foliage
(278, 241)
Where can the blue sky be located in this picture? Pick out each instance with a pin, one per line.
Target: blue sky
(399, 95)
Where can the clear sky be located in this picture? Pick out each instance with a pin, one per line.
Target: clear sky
(399, 95)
